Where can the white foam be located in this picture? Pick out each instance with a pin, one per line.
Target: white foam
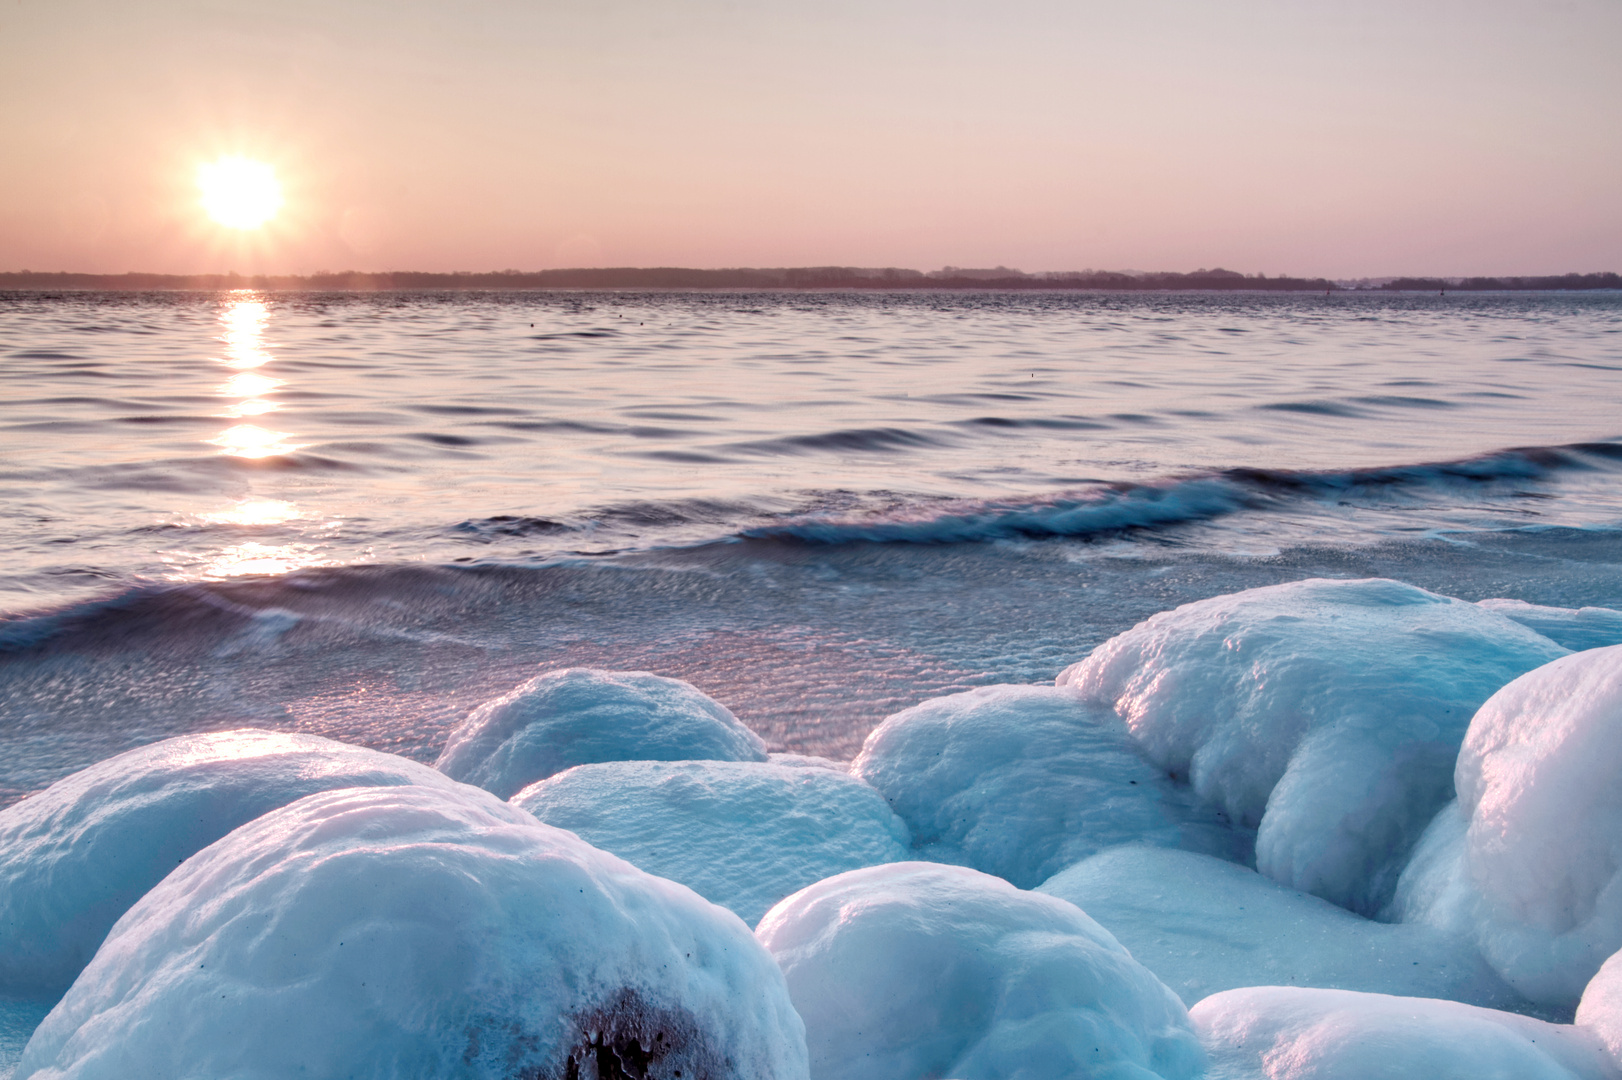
(75, 856)
(1022, 781)
(1292, 1033)
(1203, 925)
(418, 931)
(742, 834)
(577, 716)
(1530, 858)
(917, 970)
(1326, 713)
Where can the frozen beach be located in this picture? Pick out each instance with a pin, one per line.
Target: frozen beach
(1041, 685)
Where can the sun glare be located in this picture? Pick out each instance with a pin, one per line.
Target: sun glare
(238, 192)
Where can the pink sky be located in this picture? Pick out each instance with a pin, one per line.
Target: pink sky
(1279, 136)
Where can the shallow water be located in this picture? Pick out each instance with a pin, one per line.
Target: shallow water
(360, 515)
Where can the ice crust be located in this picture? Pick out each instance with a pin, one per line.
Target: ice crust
(739, 833)
(74, 857)
(1327, 713)
(1600, 1011)
(1575, 628)
(420, 932)
(1203, 925)
(1022, 781)
(917, 970)
(1293, 1033)
(1529, 859)
(577, 716)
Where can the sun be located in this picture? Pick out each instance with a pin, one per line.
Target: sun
(238, 192)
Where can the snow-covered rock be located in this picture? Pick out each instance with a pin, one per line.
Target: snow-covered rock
(1203, 925)
(419, 932)
(1529, 859)
(1327, 713)
(1292, 1033)
(75, 856)
(742, 834)
(1600, 1011)
(918, 970)
(577, 716)
(1575, 628)
(1022, 781)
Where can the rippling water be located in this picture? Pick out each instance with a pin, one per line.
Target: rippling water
(359, 514)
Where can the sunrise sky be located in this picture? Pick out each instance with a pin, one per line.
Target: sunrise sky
(1277, 136)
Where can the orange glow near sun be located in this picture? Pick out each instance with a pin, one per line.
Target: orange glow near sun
(238, 192)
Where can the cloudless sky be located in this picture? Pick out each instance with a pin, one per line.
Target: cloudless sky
(1359, 137)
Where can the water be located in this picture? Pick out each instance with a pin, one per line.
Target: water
(361, 515)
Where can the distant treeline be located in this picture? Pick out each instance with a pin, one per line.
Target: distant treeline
(1492, 284)
(811, 277)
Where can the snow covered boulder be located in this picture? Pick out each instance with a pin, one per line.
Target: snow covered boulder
(917, 970)
(1022, 781)
(420, 932)
(1600, 1011)
(576, 716)
(740, 833)
(1203, 925)
(1328, 713)
(75, 856)
(1575, 628)
(1292, 1033)
(1529, 860)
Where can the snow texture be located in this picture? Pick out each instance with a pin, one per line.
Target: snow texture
(1022, 781)
(739, 833)
(577, 716)
(420, 932)
(917, 970)
(74, 857)
(1293, 1033)
(1575, 628)
(1600, 1011)
(1529, 860)
(1203, 925)
(1327, 713)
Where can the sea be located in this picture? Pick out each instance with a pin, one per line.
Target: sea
(361, 515)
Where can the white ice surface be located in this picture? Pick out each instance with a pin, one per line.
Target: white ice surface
(577, 716)
(418, 932)
(75, 856)
(1529, 860)
(1328, 713)
(918, 970)
(1600, 1011)
(1575, 628)
(1022, 781)
(1292, 1033)
(742, 834)
(1204, 925)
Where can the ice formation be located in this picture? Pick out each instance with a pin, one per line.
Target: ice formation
(740, 833)
(75, 856)
(1529, 859)
(1600, 1011)
(1203, 925)
(577, 716)
(918, 970)
(1575, 628)
(1293, 1033)
(1327, 713)
(425, 932)
(1022, 781)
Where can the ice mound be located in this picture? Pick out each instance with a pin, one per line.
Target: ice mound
(1575, 628)
(1600, 1011)
(1529, 860)
(420, 932)
(1022, 781)
(739, 833)
(918, 970)
(1293, 1033)
(1328, 713)
(1203, 925)
(74, 857)
(577, 716)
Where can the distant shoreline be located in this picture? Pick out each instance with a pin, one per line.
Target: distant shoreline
(787, 279)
